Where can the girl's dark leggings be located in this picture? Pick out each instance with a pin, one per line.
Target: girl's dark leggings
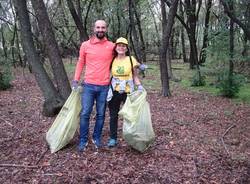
(114, 107)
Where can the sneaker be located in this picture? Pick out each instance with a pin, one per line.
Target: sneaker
(112, 143)
(82, 145)
(97, 143)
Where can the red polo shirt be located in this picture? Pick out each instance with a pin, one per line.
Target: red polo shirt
(96, 55)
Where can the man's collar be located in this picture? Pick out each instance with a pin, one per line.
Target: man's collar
(95, 40)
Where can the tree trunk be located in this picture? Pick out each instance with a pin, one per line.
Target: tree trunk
(99, 8)
(82, 31)
(176, 44)
(66, 32)
(53, 100)
(163, 54)
(133, 33)
(193, 58)
(203, 54)
(183, 45)
(55, 59)
(118, 21)
(231, 63)
(86, 16)
(3, 44)
(169, 65)
(15, 49)
(232, 16)
(79, 9)
(156, 41)
(142, 43)
(167, 25)
(190, 9)
(171, 44)
(246, 49)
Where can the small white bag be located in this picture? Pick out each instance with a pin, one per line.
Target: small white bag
(110, 94)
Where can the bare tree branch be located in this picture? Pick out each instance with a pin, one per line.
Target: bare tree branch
(232, 16)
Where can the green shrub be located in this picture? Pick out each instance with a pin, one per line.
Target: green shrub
(198, 79)
(229, 85)
(5, 79)
(5, 73)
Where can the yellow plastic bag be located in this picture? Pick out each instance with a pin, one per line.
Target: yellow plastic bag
(66, 123)
(137, 126)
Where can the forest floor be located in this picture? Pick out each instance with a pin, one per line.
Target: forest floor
(200, 138)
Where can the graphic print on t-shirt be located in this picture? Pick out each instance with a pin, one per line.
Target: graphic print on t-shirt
(120, 70)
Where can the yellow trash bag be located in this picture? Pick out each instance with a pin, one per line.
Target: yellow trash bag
(66, 123)
(137, 126)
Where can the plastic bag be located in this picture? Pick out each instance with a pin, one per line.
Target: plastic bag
(110, 94)
(137, 126)
(66, 123)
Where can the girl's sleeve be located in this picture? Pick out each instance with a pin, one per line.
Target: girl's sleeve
(134, 62)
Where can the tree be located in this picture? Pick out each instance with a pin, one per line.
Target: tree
(53, 100)
(78, 21)
(183, 45)
(231, 14)
(167, 25)
(52, 49)
(231, 43)
(137, 17)
(192, 17)
(190, 26)
(203, 54)
(137, 42)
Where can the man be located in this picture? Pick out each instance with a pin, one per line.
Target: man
(96, 55)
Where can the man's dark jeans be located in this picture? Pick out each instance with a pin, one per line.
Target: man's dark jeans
(92, 93)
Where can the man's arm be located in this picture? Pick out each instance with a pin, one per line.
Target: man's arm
(80, 63)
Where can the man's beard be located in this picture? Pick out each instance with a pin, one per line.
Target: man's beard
(100, 35)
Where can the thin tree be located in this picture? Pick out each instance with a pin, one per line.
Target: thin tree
(183, 45)
(190, 26)
(244, 26)
(78, 21)
(231, 43)
(167, 25)
(203, 54)
(192, 17)
(53, 100)
(52, 49)
(142, 43)
(133, 33)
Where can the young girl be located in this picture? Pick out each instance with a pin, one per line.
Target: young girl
(124, 80)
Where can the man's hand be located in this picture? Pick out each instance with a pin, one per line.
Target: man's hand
(74, 85)
(140, 88)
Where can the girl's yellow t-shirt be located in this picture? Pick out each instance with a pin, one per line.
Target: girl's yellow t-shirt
(121, 69)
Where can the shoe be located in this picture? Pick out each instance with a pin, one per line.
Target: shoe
(97, 143)
(112, 143)
(82, 145)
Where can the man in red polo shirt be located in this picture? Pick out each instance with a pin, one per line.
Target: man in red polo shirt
(96, 56)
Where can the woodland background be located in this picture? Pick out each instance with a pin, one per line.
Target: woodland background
(197, 52)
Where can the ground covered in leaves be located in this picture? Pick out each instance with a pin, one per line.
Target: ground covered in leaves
(199, 139)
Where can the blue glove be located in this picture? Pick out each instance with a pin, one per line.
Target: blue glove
(140, 88)
(142, 67)
(74, 84)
